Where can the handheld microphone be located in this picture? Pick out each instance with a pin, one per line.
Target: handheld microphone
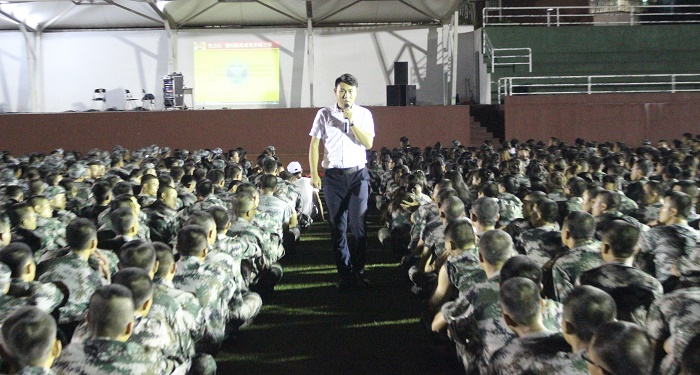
(346, 123)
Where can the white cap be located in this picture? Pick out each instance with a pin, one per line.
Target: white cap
(294, 167)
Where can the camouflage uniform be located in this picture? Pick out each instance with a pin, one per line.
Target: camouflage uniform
(574, 204)
(185, 199)
(162, 222)
(65, 216)
(537, 353)
(477, 320)
(584, 256)
(80, 279)
(259, 241)
(510, 208)
(672, 316)
(434, 238)
(278, 209)
(32, 370)
(45, 296)
(192, 314)
(627, 205)
(649, 213)
(109, 357)
(9, 304)
(557, 196)
(603, 220)
(632, 289)
(52, 233)
(238, 249)
(213, 288)
(541, 243)
(210, 201)
(425, 214)
(552, 314)
(666, 245)
(144, 232)
(464, 270)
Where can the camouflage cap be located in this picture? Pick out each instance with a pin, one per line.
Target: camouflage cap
(7, 176)
(217, 151)
(52, 191)
(77, 170)
(219, 164)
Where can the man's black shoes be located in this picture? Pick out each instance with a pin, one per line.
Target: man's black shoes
(356, 279)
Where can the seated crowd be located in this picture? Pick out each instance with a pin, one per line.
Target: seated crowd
(538, 258)
(140, 262)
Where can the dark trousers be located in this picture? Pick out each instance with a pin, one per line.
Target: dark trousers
(346, 196)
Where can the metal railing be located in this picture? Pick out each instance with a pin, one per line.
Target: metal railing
(506, 56)
(590, 15)
(598, 84)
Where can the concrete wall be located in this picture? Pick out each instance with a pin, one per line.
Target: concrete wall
(629, 118)
(253, 129)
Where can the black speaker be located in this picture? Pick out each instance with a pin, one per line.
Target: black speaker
(401, 73)
(400, 95)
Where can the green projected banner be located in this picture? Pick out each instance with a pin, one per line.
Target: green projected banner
(240, 73)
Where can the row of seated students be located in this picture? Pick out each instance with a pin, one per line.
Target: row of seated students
(551, 259)
(141, 262)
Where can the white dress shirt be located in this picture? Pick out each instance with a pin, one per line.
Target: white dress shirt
(342, 150)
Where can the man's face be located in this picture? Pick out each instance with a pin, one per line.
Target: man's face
(170, 198)
(151, 187)
(44, 209)
(527, 206)
(345, 95)
(598, 206)
(649, 196)
(635, 173)
(59, 202)
(665, 214)
(29, 222)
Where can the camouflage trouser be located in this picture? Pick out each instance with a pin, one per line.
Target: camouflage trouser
(244, 310)
(202, 364)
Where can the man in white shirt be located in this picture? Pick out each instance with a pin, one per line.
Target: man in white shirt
(347, 131)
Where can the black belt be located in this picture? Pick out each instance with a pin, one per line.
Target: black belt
(345, 170)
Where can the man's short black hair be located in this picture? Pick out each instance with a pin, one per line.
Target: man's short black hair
(581, 225)
(548, 210)
(681, 202)
(486, 211)
(586, 308)
(242, 203)
(577, 186)
(201, 218)
(16, 255)
(191, 239)
(520, 299)
(101, 191)
(461, 232)
(521, 266)
(137, 253)
(347, 79)
(690, 361)
(623, 348)
(19, 212)
(622, 237)
(268, 182)
(138, 281)
(29, 334)
(495, 247)
(111, 309)
(204, 188)
(122, 187)
(220, 217)
(165, 258)
(611, 199)
(79, 233)
(122, 220)
(453, 208)
(645, 166)
(215, 176)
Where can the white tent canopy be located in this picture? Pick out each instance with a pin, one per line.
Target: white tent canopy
(49, 15)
